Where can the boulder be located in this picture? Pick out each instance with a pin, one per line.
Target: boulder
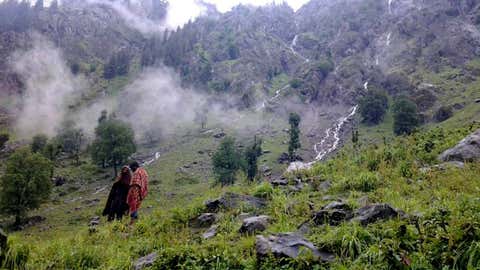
(477, 100)
(254, 224)
(146, 261)
(280, 182)
(95, 221)
(333, 214)
(374, 212)
(299, 166)
(59, 181)
(204, 220)
(220, 135)
(467, 149)
(233, 200)
(210, 233)
(325, 186)
(288, 245)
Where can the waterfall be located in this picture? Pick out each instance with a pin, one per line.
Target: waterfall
(365, 86)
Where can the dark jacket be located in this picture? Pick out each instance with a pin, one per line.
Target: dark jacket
(117, 200)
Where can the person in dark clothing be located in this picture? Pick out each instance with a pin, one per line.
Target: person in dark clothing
(117, 206)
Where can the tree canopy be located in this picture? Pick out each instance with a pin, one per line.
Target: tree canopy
(373, 106)
(226, 161)
(405, 116)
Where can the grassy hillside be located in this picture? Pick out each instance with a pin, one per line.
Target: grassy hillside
(442, 228)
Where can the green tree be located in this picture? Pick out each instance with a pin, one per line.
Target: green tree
(4, 137)
(226, 162)
(251, 157)
(373, 106)
(405, 117)
(71, 139)
(113, 144)
(294, 143)
(39, 142)
(25, 184)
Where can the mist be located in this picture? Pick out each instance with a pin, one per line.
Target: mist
(49, 88)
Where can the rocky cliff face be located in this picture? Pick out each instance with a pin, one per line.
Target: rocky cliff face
(330, 49)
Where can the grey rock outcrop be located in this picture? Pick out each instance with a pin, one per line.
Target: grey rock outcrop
(204, 220)
(210, 233)
(375, 212)
(146, 261)
(233, 200)
(288, 245)
(254, 224)
(467, 149)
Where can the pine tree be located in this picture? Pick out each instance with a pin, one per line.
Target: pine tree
(226, 162)
(251, 157)
(294, 143)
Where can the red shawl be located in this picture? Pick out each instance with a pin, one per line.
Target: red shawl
(138, 189)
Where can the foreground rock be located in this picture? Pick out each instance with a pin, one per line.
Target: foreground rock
(210, 233)
(375, 212)
(233, 200)
(204, 220)
(467, 149)
(299, 166)
(333, 214)
(254, 224)
(288, 245)
(146, 261)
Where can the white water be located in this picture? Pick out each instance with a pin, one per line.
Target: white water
(390, 6)
(389, 38)
(155, 157)
(365, 86)
(292, 48)
(328, 144)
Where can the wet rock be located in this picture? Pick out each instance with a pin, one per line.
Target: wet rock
(220, 135)
(95, 221)
(280, 182)
(233, 200)
(254, 224)
(288, 245)
(210, 233)
(333, 214)
(374, 212)
(325, 186)
(466, 150)
(146, 261)
(204, 220)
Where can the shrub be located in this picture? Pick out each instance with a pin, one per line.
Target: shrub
(373, 107)
(4, 137)
(264, 190)
(443, 113)
(405, 116)
(39, 142)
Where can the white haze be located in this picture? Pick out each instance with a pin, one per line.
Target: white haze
(49, 85)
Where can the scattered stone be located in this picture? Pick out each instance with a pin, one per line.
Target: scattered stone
(254, 224)
(288, 245)
(201, 152)
(285, 158)
(325, 186)
(443, 166)
(280, 182)
(95, 221)
(374, 212)
(266, 152)
(299, 166)
(210, 233)
(363, 201)
(146, 261)
(477, 100)
(204, 220)
(91, 203)
(333, 213)
(233, 200)
(467, 149)
(220, 135)
(243, 216)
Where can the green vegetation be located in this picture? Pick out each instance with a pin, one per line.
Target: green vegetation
(443, 113)
(39, 142)
(405, 116)
(71, 140)
(226, 161)
(4, 137)
(252, 154)
(373, 107)
(25, 184)
(441, 230)
(294, 132)
(114, 143)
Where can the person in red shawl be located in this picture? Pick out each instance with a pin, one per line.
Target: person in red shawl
(138, 190)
